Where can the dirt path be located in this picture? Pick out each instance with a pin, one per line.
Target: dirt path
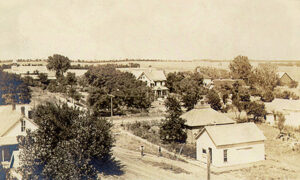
(151, 166)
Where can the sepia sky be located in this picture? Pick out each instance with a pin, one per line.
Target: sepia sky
(156, 29)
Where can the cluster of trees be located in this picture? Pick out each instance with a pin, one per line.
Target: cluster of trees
(122, 89)
(13, 89)
(68, 144)
(215, 73)
(189, 87)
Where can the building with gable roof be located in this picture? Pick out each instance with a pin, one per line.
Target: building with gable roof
(156, 79)
(14, 121)
(231, 144)
(201, 116)
(284, 78)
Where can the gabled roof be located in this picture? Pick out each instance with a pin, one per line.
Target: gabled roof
(281, 74)
(8, 118)
(234, 133)
(205, 116)
(155, 75)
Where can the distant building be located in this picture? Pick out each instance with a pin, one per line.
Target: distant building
(14, 120)
(231, 144)
(289, 108)
(284, 78)
(201, 116)
(156, 79)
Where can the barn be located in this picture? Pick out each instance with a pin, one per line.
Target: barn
(231, 144)
(284, 78)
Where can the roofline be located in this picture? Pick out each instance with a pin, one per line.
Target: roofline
(17, 121)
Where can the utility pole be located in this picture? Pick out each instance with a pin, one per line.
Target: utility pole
(208, 166)
(111, 104)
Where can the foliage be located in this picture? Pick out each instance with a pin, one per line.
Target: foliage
(257, 110)
(71, 79)
(126, 90)
(74, 94)
(188, 85)
(241, 68)
(265, 77)
(214, 100)
(172, 127)
(267, 96)
(13, 89)
(215, 73)
(286, 95)
(280, 120)
(60, 64)
(173, 106)
(68, 144)
(293, 84)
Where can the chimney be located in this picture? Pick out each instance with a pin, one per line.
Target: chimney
(13, 106)
(23, 111)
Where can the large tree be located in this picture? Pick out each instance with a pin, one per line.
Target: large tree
(214, 100)
(59, 63)
(172, 128)
(265, 77)
(241, 68)
(68, 144)
(126, 90)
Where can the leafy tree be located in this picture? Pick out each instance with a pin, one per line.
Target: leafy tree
(257, 110)
(60, 64)
(68, 144)
(13, 89)
(74, 94)
(241, 68)
(71, 79)
(173, 106)
(267, 96)
(214, 100)
(129, 93)
(173, 80)
(265, 77)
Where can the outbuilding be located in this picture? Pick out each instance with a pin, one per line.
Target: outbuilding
(231, 144)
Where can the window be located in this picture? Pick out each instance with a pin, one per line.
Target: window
(23, 125)
(204, 151)
(225, 155)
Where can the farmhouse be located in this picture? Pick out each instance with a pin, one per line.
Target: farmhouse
(284, 78)
(156, 79)
(14, 121)
(201, 116)
(231, 144)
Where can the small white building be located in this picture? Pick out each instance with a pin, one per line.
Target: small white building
(231, 144)
(13, 122)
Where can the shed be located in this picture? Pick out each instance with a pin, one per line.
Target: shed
(231, 144)
(284, 78)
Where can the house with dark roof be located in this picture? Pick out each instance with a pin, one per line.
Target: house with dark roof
(231, 144)
(201, 116)
(156, 79)
(14, 120)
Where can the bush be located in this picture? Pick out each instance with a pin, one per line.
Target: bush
(267, 96)
(293, 84)
(286, 95)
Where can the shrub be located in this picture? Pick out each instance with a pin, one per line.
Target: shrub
(293, 84)
(267, 96)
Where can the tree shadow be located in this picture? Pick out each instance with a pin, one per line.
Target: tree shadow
(111, 167)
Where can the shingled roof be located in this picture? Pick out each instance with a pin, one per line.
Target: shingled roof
(204, 116)
(8, 118)
(233, 133)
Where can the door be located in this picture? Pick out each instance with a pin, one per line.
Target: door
(210, 154)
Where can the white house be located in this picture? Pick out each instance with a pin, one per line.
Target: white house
(231, 144)
(156, 79)
(13, 122)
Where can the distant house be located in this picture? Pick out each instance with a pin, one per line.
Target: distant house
(284, 78)
(156, 79)
(231, 144)
(14, 121)
(289, 108)
(201, 116)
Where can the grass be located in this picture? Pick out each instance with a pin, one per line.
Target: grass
(149, 130)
